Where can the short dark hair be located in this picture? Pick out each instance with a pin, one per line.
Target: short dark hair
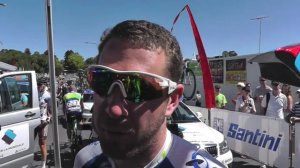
(262, 78)
(150, 36)
(275, 83)
(246, 89)
(41, 81)
(72, 88)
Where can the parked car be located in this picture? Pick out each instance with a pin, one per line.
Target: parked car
(88, 102)
(17, 122)
(192, 129)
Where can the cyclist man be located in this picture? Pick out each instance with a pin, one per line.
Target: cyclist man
(135, 89)
(73, 106)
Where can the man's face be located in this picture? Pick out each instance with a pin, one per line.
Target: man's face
(285, 88)
(126, 128)
(40, 87)
(262, 81)
(275, 86)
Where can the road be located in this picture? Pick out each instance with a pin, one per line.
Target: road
(67, 158)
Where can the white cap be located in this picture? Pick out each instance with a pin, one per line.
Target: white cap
(298, 91)
(242, 84)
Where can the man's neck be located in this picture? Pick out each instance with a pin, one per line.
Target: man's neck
(147, 156)
(276, 92)
(264, 86)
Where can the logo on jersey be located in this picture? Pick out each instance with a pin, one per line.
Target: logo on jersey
(197, 161)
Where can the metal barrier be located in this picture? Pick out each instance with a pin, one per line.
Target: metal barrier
(297, 145)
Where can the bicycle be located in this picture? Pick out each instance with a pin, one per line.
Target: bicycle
(188, 79)
(74, 130)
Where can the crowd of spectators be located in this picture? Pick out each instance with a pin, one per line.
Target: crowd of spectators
(275, 100)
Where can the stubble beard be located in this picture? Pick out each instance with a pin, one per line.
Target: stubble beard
(133, 149)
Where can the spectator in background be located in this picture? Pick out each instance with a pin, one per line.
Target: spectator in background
(59, 92)
(294, 115)
(239, 86)
(244, 102)
(286, 90)
(248, 86)
(276, 104)
(220, 98)
(198, 99)
(259, 92)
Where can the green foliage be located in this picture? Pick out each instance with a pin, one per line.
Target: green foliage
(195, 66)
(90, 61)
(75, 62)
(27, 51)
(59, 68)
(38, 62)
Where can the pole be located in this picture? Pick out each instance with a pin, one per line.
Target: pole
(52, 83)
(260, 21)
(259, 36)
(291, 146)
(209, 116)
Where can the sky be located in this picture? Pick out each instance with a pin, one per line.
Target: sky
(224, 25)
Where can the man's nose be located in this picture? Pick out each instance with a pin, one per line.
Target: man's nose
(116, 100)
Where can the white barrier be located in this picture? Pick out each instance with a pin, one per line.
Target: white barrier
(262, 138)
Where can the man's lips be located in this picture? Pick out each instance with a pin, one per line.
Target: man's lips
(118, 131)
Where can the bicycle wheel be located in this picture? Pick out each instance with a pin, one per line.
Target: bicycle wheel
(73, 138)
(189, 82)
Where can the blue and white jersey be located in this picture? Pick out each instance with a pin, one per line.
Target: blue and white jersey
(180, 154)
(44, 101)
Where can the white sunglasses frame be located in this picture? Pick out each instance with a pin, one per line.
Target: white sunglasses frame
(165, 81)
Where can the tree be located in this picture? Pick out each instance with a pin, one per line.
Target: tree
(75, 62)
(59, 68)
(67, 54)
(36, 53)
(27, 51)
(232, 53)
(90, 61)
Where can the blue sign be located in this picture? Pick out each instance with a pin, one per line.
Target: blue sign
(258, 137)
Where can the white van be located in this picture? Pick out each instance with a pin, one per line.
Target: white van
(17, 120)
(197, 132)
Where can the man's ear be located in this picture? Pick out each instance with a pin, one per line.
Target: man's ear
(174, 100)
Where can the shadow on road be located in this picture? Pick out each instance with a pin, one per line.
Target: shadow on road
(67, 157)
(240, 161)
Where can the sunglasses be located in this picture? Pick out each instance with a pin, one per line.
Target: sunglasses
(136, 86)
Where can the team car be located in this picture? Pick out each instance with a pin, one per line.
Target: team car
(17, 122)
(88, 102)
(192, 129)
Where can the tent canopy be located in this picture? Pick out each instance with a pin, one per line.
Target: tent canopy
(279, 65)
